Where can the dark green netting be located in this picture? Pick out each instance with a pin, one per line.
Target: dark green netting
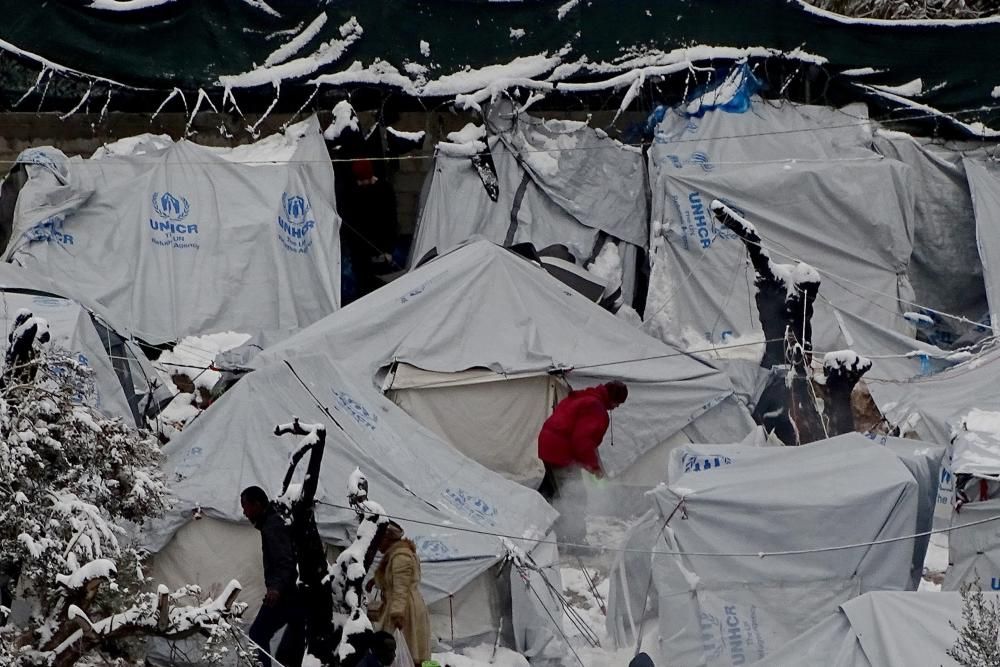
(190, 43)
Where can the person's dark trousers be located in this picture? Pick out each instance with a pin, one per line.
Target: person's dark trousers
(547, 488)
(286, 613)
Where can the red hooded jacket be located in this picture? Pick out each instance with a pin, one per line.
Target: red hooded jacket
(575, 429)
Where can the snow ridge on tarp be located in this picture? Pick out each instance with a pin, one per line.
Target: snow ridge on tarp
(481, 306)
(175, 239)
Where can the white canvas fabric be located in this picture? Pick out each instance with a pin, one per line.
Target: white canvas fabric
(879, 629)
(481, 306)
(729, 610)
(176, 239)
(494, 422)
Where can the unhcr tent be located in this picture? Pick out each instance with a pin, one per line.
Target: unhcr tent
(177, 239)
(476, 343)
(124, 384)
(809, 181)
(543, 182)
(922, 459)
(879, 629)
(719, 601)
(448, 505)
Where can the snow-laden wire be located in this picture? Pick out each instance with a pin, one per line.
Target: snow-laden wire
(707, 554)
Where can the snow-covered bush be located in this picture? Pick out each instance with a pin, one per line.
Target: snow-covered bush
(75, 486)
(922, 9)
(978, 642)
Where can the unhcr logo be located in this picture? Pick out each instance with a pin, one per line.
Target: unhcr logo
(295, 223)
(167, 224)
(50, 231)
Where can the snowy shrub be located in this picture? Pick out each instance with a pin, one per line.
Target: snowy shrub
(978, 642)
(922, 9)
(76, 486)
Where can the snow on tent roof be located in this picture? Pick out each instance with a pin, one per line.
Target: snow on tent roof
(787, 499)
(481, 306)
(124, 382)
(879, 628)
(977, 444)
(411, 472)
(176, 239)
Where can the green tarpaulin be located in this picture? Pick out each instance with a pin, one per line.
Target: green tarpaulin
(192, 43)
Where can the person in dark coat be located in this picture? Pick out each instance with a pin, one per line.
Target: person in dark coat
(567, 443)
(281, 605)
(367, 205)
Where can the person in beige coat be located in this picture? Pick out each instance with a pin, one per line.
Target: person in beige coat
(403, 608)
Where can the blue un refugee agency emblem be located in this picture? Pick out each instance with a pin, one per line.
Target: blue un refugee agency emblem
(50, 231)
(167, 227)
(294, 223)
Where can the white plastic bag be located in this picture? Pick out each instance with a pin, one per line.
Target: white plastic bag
(403, 657)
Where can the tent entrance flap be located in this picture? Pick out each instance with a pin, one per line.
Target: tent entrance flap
(491, 418)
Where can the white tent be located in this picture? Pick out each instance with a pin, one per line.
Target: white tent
(177, 239)
(720, 602)
(469, 343)
(450, 506)
(881, 629)
(124, 383)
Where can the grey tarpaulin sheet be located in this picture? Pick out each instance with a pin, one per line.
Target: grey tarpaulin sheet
(974, 552)
(177, 239)
(922, 459)
(984, 181)
(929, 403)
(558, 182)
(846, 219)
(728, 610)
(877, 630)
(816, 191)
(411, 472)
(482, 306)
(945, 268)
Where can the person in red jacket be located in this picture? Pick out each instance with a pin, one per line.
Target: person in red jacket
(568, 442)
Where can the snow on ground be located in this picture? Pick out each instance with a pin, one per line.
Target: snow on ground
(482, 655)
